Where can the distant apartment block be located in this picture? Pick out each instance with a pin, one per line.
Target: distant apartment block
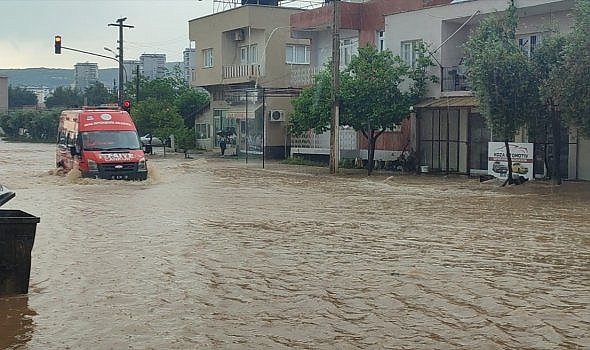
(189, 64)
(42, 92)
(153, 65)
(85, 75)
(131, 69)
(3, 94)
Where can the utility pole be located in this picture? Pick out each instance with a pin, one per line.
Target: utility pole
(121, 26)
(335, 121)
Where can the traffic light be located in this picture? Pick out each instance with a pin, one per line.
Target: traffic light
(126, 105)
(57, 44)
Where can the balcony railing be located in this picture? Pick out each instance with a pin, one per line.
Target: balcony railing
(303, 76)
(241, 71)
(311, 140)
(453, 79)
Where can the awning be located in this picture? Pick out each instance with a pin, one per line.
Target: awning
(444, 102)
(240, 112)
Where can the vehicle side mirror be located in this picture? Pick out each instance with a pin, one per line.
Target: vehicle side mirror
(74, 151)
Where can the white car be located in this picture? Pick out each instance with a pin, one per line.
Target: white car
(148, 139)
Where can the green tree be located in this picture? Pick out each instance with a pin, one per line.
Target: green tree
(35, 125)
(65, 97)
(548, 60)
(19, 97)
(377, 90)
(158, 117)
(312, 108)
(502, 77)
(574, 74)
(97, 94)
(189, 103)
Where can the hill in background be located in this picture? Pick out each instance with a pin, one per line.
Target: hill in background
(56, 77)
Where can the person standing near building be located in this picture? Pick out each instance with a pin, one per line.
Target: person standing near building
(222, 145)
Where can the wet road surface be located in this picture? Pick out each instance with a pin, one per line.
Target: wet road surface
(214, 253)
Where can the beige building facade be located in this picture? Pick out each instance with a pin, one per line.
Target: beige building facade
(449, 133)
(3, 94)
(244, 57)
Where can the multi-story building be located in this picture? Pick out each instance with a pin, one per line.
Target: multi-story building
(244, 56)
(3, 94)
(131, 69)
(189, 64)
(153, 65)
(42, 92)
(450, 133)
(361, 23)
(85, 75)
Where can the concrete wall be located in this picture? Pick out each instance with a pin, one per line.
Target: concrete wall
(583, 171)
(258, 23)
(435, 25)
(3, 94)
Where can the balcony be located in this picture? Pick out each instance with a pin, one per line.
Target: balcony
(303, 76)
(453, 79)
(242, 71)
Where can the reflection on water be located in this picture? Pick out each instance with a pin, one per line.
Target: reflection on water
(213, 253)
(16, 322)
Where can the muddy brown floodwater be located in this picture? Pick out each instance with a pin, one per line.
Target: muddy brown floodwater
(212, 253)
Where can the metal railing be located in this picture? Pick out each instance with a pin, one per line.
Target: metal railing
(453, 79)
(241, 71)
(303, 76)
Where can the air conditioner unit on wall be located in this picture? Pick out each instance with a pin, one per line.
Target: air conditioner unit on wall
(239, 35)
(277, 115)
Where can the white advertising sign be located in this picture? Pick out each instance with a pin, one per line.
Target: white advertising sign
(520, 153)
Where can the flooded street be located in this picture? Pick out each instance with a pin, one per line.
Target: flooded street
(213, 253)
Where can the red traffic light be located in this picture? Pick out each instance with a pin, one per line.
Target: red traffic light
(57, 44)
(126, 105)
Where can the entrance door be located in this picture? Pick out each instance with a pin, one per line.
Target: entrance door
(479, 136)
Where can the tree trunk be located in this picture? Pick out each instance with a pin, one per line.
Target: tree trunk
(556, 131)
(371, 152)
(509, 180)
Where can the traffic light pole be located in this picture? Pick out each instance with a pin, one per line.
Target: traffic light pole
(121, 26)
(89, 53)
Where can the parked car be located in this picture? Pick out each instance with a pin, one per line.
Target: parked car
(148, 139)
(500, 168)
(519, 168)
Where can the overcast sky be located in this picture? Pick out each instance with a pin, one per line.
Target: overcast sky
(28, 27)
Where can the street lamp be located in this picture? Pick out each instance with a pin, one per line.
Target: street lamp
(122, 66)
(263, 60)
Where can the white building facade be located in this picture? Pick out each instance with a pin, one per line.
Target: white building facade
(449, 133)
(153, 65)
(85, 75)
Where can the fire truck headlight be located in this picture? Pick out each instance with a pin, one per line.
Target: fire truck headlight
(141, 165)
(92, 165)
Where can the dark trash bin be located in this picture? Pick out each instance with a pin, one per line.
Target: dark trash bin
(17, 235)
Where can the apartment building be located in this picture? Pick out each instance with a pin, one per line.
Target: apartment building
(153, 65)
(85, 75)
(243, 57)
(450, 135)
(189, 64)
(3, 94)
(361, 23)
(131, 68)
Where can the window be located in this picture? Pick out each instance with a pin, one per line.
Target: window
(297, 54)
(409, 52)
(202, 131)
(348, 48)
(529, 42)
(208, 58)
(380, 41)
(249, 54)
